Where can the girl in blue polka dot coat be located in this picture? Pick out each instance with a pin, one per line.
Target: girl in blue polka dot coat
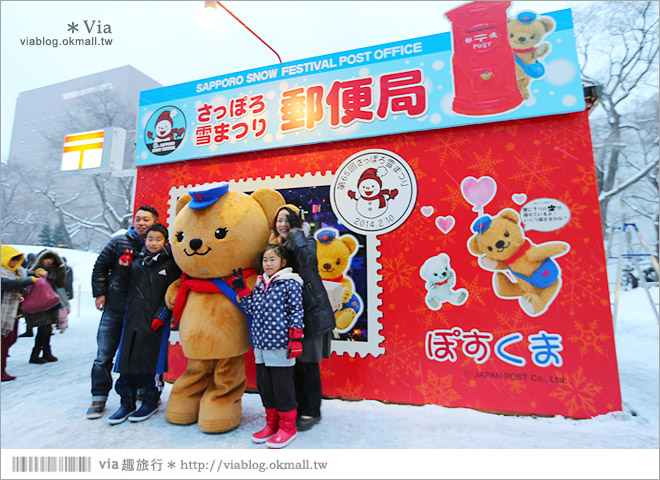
(276, 307)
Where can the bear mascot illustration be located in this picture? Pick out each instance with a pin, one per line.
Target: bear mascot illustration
(526, 32)
(440, 282)
(533, 276)
(334, 254)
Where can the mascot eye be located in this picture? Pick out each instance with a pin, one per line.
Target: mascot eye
(490, 249)
(511, 35)
(179, 237)
(533, 37)
(338, 262)
(221, 233)
(506, 234)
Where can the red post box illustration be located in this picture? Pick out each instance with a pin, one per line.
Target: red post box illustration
(482, 63)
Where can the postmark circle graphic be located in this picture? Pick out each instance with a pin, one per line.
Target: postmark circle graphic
(373, 192)
(165, 130)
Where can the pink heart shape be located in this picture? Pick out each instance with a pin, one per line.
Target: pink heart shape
(519, 198)
(445, 224)
(478, 192)
(427, 211)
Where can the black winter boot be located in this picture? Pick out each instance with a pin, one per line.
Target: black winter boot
(48, 355)
(35, 358)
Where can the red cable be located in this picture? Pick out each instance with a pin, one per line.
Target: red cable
(262, 41)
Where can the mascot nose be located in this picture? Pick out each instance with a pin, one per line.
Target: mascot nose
(327, 266)
(499, 244)
(522, 39)
(195, 243)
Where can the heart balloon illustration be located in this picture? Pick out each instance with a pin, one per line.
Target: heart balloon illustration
(519, 198)
(479, 192)
(427, 211)
(445, 224)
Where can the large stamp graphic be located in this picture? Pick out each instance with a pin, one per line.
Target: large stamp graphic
(374, 192)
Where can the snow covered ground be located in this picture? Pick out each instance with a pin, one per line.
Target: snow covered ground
(44, 408)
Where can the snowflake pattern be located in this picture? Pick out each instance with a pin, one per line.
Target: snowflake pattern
(477, 289)
(589, 338)
(585, 178)
(534, 172)
(516, 386)
(350, 390)
(514, 322)
(438, 390)
(579, 284)
(400, 362)
(397, 271)
(577, 209)
(486, 162)
(577, 393)
(448, 145)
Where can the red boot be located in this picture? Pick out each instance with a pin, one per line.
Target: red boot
(272, 423)
(287, 431)
(5, 353)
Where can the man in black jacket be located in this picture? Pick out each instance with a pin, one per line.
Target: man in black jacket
(109, 288)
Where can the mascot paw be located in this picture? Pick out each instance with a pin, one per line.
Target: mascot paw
(344, 319)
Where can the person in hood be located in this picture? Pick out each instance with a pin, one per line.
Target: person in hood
(144, 340)
(14, 280)
(53, 264)
(110, 281)
(276, 332)
(27, 264)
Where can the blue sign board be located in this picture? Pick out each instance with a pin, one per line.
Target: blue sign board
(386, 89)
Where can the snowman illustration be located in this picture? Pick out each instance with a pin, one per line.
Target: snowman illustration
(164, 130)
(371, 197)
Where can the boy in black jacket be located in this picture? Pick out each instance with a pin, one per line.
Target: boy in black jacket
(146, 328)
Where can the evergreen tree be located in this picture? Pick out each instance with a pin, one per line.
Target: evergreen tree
(46, 236)
(60, 237)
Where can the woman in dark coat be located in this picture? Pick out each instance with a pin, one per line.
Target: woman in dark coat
(54, 266)
(319, 319)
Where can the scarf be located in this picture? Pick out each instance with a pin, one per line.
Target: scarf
(198, 285)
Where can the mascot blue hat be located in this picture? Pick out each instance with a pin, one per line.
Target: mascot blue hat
(202, 198)
(326, 235)
(481, 224)
(526, 17)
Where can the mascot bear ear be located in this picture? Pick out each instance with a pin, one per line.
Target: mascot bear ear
(182, 202)
(350, 243)
(270, 202)
(474, 245)
(548, 23)
(510, 215)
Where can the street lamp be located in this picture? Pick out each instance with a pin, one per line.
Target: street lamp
(212, 5)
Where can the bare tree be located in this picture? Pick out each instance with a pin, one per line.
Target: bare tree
(110, 195)
(618, 48)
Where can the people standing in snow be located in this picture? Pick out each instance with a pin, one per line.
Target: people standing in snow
(14, 279)
(66, 295)
(109, 288)
(276, 334)
(291, 231)
(53, 264)
(144, 340)
(27, 264)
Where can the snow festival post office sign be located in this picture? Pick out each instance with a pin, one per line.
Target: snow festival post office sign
(385, 89)
(413, 217)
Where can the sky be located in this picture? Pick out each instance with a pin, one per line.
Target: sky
(169, 42)
(357, 439)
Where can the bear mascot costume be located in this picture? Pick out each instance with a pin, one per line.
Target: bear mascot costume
(215, 231)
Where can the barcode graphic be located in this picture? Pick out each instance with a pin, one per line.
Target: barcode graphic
(51, 464)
